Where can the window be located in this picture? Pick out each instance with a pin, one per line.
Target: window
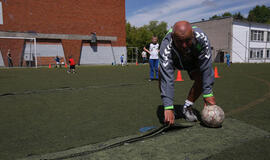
(268, 53)
(256, 53)
(268, 36)
(261, 55)
(256, 35)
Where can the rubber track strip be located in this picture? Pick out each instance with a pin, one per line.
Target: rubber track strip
(117, 144)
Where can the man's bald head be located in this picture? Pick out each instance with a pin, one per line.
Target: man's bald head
(182, 35)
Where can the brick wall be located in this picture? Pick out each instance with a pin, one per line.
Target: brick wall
(16, 50)
(72, 48)
(44, 61)
(106, 18)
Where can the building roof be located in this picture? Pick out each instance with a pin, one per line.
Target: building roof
(234, 20)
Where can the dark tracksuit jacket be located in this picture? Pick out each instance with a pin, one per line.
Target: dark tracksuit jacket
(199, 58)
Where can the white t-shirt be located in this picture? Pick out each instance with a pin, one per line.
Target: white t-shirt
(153, 48)
(144, 54)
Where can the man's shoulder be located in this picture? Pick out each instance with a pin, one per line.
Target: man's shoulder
(199, 33)
(166, 40)
(200, 36)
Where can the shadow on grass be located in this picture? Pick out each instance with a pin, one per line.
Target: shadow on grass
(178, 113)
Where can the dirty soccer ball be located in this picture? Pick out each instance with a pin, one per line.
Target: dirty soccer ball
(212, 116)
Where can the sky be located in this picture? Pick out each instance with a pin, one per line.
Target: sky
(141, 12)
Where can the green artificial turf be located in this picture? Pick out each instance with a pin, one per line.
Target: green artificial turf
(48, 110)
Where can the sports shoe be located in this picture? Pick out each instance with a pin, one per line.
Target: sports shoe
(189, 115)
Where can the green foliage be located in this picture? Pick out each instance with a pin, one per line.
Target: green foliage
(227, 14)
(260, 14)
(214, 17)
(141, 36)
(239, 16)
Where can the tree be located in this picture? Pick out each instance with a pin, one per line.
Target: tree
(260, 14)
(227, 14)
(214, 17)
(239, 16)
(158, 30)
(141, 36)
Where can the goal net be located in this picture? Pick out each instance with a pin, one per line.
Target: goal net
(23, 51)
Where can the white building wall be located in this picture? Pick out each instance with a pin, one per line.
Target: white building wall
(241, 43)
(44, 50)
(89, 54)
(1, 60)
(101, 54)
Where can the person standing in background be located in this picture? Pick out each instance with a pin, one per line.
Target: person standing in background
(153, 50)
(10, 63)
(144, 56)
(228, 59)
(71, 65)
(122, 60)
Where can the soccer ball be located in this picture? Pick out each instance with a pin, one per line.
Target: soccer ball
(212, 116)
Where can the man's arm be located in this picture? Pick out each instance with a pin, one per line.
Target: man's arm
(166, 80)
(206, 69)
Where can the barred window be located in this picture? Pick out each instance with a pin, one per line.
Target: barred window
(261, 55)
(268, 53)
(256, 53)
(256, 35)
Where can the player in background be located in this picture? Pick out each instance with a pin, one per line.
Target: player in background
(10, 63)
(122, 60)
(228, 59)
(153, 49)
(71, 65)
(144, 56)
(57, 60)
(185, 48)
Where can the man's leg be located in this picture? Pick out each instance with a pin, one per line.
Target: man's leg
(196, 89)
(151, 64)
(228, 63)
(193, 95)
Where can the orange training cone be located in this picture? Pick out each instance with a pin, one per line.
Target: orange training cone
(179, 76)
(216, 73)
(50, 66)
(136, 63)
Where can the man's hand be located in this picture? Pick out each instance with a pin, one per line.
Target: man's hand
(209, 101)
(169, 116)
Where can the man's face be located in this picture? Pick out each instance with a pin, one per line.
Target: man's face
(154, 40)
(182, 36)
(182, 44)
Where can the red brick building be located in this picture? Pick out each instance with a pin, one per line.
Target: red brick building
(63, 28)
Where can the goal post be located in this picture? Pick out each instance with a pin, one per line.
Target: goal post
(29, 49)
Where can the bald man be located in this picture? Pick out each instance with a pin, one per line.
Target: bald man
(185, 48)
